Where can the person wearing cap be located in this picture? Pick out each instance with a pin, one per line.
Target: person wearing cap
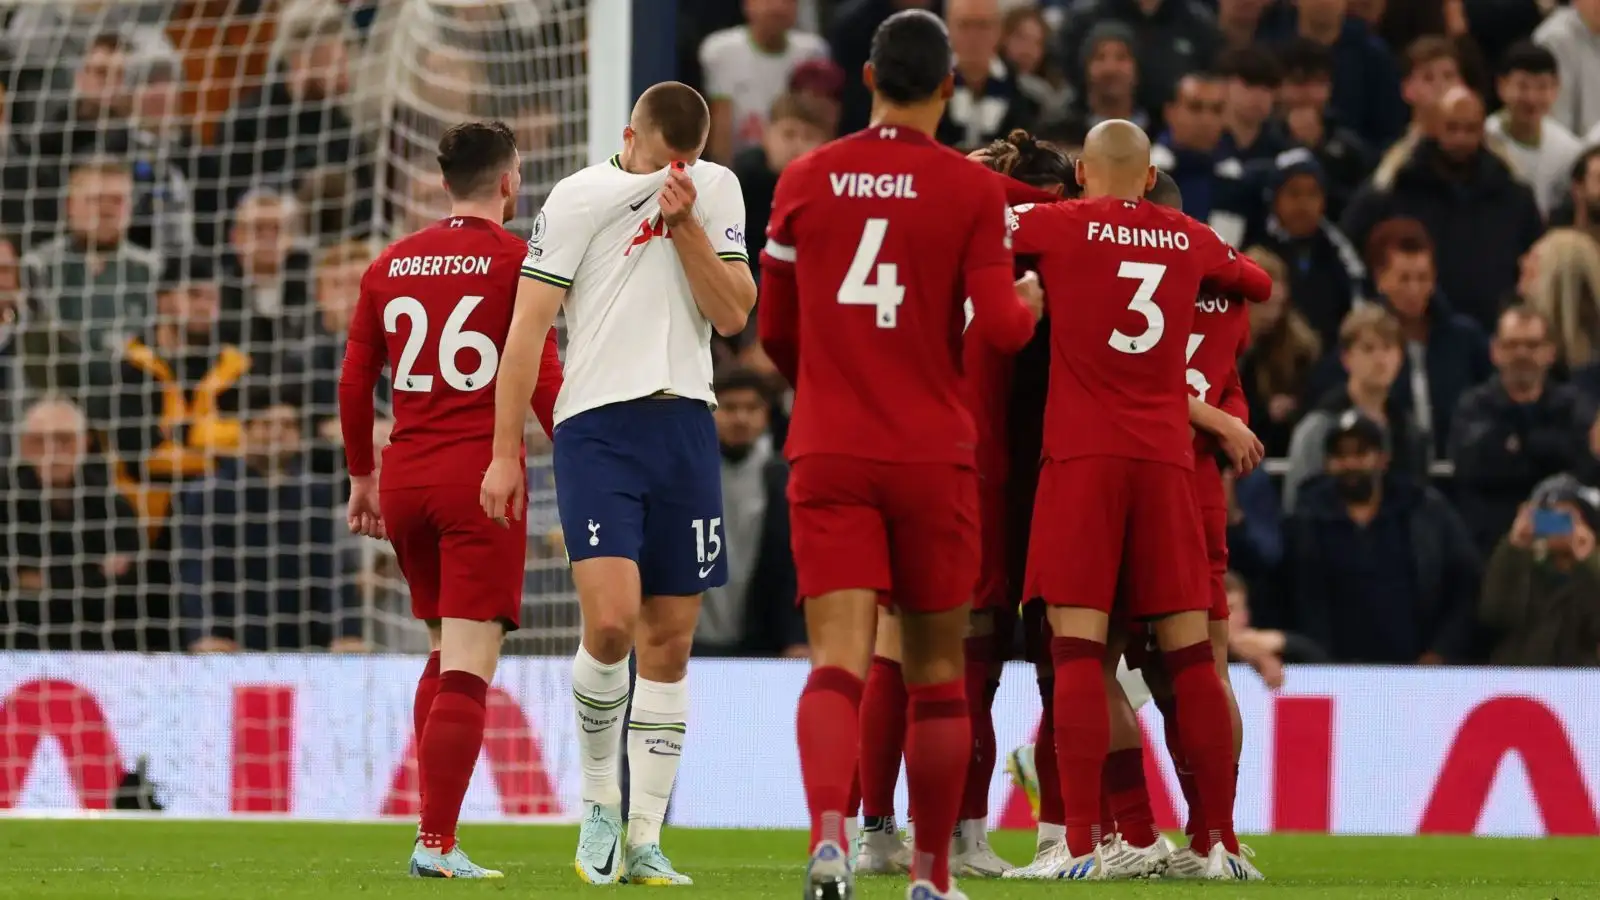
(1541, 589)
(1516, 429)
(819, 83)
(1326, 275)
(1110, 81)
(1170, 37)
(1382, 567)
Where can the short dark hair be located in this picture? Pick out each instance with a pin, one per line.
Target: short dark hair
(473, 156)
(109, 41)
(1581, 165)
(910, 56)
(1428, 49)
(1526, 56)
(1252, 65)
(678, 113)
(1303, 59)
(739, 378)
(797, 108)
(1398, 235)
(1165, 192)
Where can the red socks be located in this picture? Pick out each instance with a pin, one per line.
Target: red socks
(980, 702)
(1083, 736)
(827, 727)
(1128, 797)
(450, 744)
(883, 735)
(1205, 732)
(1051, 811)
(427, 687)
(1191, 798)
(938, 746)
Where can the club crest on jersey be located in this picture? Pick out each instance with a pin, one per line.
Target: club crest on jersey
(538, 228)
(648, 231)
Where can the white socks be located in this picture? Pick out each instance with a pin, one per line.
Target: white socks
(599, 696)
(1051, 833)
(655, 745)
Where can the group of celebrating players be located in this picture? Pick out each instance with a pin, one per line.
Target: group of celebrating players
(949, 458)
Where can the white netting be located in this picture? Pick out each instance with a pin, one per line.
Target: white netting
(189, 194)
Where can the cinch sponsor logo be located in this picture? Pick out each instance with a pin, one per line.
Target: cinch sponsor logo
(735, 234)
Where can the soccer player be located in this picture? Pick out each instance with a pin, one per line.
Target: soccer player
(436, 307)
(646, 254)
(874, 240)
(1114, 517)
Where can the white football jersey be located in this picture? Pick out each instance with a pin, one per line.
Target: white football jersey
(633, 328)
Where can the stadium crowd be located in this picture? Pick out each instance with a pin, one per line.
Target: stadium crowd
(1422, 179)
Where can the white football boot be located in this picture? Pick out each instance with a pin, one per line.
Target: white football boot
(970, 853)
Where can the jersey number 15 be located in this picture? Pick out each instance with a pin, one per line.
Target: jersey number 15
(452, 340)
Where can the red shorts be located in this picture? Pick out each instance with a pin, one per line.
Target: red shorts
(906, 529)
(458, 563)
(1112, 532)
(993, 591)
(1213, 505)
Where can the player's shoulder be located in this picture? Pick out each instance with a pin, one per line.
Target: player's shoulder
(708, 174)
(590, 181)
(725, 42)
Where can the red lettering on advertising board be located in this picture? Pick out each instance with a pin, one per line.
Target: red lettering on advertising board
(263, 748)
(1302, 763)
(47, 707)
(1497, 727)
(516, 762)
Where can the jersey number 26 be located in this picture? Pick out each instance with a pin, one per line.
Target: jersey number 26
(452, 340)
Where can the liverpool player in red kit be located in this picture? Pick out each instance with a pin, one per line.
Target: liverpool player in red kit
(1115, 518)
(874, 241)
(435, 306)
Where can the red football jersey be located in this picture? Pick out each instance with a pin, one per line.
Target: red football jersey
(1220, 336)
(436, 307)
(874, 241)
(1124, 275)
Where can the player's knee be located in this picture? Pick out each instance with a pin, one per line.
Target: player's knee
(608, 633)
(664, 656)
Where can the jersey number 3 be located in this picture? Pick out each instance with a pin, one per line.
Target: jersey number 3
(452, 340)
(887, 293)
(1149, 276)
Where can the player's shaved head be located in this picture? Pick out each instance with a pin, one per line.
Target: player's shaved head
(676, 114)
(1166, 192)
(1116, 161)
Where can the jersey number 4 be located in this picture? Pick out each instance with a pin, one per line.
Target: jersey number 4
(452, 340)
(887, 293)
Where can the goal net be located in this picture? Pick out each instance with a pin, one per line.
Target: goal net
(190, 194)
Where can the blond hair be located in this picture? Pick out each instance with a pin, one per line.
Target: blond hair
(1566, 291)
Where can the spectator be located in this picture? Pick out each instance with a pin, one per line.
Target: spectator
(1480, 217)
(1025, 46)
(1276, 368)
(266, 277)
(1366, 94)
(1370, 349)
(1110, 83)
(1561, 279)
(93, 286)
(1171, 39)
(13, 361)
(1252, 77)
(1517, 429)
(1255, 524)
(1446, 353)
(1239, 21)
(745, 69)
(850, 40)
(1541, 591)
(988, 102)
(1542, 150)
(1190, 151)
(796, 128)
(69, 542)
(1572, 33)
(160, 150)
(293, 124)
(1383, 567)
(754, 614)
(338, 287)
(820, 83)
(259, 569)
(1264, 649)
(1581, 208)
(1429, 68)
(1326, 277)
(1304, 103)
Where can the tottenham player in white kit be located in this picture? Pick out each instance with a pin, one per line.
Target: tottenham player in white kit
(646, 254)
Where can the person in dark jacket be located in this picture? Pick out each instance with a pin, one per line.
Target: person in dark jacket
(755, 613)
(989, 101)
(1214, 187)
(1326, 275)
(259, 568)
(1249, 133)
(850, 40)
(1110, 85)
(1172, 38)
(795, 127)
(1384, 570)
(1304, 100)
(1366, 78)
(1541, 591)
(1481, 218)
(1516, 430)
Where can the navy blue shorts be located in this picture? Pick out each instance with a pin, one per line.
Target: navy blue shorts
(643, 480)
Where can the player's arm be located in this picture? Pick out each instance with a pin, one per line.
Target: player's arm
(1226, 422)
(365, 353)
(549, 386)
(778, 314)
(713, 255)
(1224, 271)
(999, 317)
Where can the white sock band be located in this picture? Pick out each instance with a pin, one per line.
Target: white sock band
(599, 697)
(656, 731)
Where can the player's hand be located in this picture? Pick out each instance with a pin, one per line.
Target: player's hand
(1270, 668)
(364, 516)
(1031, 293)
(677, 196)
(1244, 449)
(980, 156)
(504, 487)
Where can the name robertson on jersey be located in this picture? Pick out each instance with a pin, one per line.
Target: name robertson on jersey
(1138, 237)
(438, 265)
(866, 185)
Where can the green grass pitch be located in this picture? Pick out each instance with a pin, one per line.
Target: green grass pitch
(245, 860)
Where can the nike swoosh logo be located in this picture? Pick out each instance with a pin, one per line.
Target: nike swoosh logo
(707, 570)
(663, 753)
(635, 206)
(593, 730)
(610, 858)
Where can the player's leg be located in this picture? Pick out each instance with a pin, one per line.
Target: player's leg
(883, 732)
(1033, 766)
(973, 854)
(657, 729)
(1137, 849)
